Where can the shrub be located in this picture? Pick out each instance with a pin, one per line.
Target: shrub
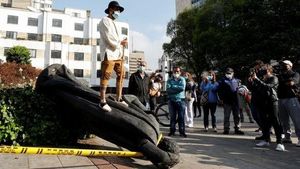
(18, 54)
(26, 117)
(13, 74)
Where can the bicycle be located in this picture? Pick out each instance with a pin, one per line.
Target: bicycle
(161, 112)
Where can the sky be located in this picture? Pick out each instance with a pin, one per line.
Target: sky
(147, 21)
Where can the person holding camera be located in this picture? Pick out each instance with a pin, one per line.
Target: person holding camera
(289, 105)
(268, 105)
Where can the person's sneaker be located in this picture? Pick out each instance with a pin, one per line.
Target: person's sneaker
(298, 144)
(257, 130)
(105, 107)
(287, 140)
(206, 129)
(226, 132)
(123, 103)
(280, 147)
(260, 138)
(215, 129)
(251, 121)
(263, 144)
(183, 135)
(239, 132)
(171, 134)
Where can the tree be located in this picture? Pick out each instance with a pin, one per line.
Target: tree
(18, 54)
(235, 33)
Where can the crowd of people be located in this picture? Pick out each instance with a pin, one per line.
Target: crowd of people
(270, 99)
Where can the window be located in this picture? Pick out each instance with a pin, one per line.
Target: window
(5, 50)
(78, 26)
(98, 73)
(12, 19)
(55, 54)
(98, 57)
(11, 35)
(32, 36)
(32, 22)
(98, 27)
(76, 14)
(98, 41)
(55, 38)
(57, 23)
(79, 56)
(32, 53)
(78, 72)
(78, 41)
(124, 31)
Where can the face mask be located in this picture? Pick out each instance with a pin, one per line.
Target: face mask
(116, 14)
(176, 75)
(209, 77)
(229, 76)
(141, 69)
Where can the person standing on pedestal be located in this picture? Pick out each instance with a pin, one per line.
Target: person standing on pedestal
(112, 53)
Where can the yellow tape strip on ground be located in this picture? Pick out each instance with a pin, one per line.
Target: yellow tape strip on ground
(67, 151)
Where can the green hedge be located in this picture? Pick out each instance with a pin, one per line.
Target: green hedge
(28, 118)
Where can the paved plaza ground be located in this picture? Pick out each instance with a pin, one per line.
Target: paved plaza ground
(200, 150)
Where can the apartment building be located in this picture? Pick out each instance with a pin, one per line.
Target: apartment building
(68, 36)
(134, 58)
(182, 5)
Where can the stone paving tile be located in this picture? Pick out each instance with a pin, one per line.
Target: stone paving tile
(13, 161)
(77, 162)
(44, 161)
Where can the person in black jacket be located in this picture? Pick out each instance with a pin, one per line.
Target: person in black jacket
(139, 84)
(289, 105)
(228, 96)
(268, 107)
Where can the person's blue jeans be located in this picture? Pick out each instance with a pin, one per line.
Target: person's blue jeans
(177, 110)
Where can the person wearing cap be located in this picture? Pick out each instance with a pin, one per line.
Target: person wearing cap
(111, 53)
(139, 84)
(289, 105)
(227, 91)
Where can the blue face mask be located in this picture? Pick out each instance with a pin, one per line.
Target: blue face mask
(209, 78)
(116, 14)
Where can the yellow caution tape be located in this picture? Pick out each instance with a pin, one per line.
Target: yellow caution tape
(67, 151)
(159, 139)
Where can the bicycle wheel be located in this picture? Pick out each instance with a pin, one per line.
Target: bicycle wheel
(162, 114)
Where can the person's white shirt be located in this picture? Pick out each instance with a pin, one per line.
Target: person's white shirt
(110, 39)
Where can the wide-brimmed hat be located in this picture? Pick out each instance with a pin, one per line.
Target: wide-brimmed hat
(113, 4)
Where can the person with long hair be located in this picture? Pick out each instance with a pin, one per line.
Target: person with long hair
(190, 95)
(210, 85)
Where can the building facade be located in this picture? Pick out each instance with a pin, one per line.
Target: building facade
(134, 58)
(68, 36)
(182, 5)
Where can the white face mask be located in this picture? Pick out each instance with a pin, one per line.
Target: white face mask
(141, 68)
(116, 14)
(229, 76)
(176, 75)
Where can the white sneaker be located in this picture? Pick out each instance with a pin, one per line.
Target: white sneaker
(123, 103)
(298, 144)
(280, 147)
(263, 144)
(105, 107)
